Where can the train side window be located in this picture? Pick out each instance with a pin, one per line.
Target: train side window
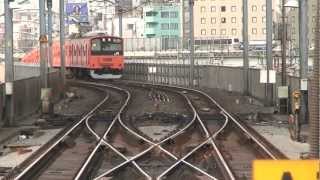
(75, 51)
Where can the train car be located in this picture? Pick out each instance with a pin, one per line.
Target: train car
(97, 55)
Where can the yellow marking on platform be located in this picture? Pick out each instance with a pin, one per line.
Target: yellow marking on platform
(286, 169)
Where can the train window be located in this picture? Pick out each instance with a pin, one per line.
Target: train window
(96, 45)
(107, 46)
(75, 51)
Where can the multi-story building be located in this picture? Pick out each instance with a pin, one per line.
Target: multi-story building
(293, 25)
(26, 28)
(223, 18)
(162, 20)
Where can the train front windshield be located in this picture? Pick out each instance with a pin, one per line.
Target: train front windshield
(107, 46)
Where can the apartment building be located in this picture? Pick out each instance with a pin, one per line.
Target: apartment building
(223, 18)
(162, 20)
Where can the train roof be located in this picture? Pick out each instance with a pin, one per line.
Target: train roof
(91, 35)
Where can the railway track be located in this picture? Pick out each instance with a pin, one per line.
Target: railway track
(205, 143)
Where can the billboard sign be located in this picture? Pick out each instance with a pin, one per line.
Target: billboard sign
(77, 11)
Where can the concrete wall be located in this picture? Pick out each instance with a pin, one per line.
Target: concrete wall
(22, 71)
(220, 77)
(27, 94)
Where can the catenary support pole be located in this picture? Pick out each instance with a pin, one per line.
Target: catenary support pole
(49, 6)
(314, 94)
(43, 46)
(269, 87)
(62, 39)
(120, 17)
(191, 43)
(284, 46)
(303, 44)
(9, 66)
(105, 15)
(245, 47)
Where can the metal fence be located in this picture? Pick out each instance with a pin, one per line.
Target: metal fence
(27, 94)
(162, 71)
(167, 44)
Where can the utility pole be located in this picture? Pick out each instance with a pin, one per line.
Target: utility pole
(245, 47)
(284, 46)
(49, 6)
(303, 44)
(120, 17)
(269, 86)
(43, 46)
(9, 64)
(314, 94)
(62, 39)
(191, 44)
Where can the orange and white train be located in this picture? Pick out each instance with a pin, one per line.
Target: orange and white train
(96, 55)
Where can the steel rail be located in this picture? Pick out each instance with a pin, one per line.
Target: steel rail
(115, 150)
(195, 149)
(208, 139)
(61, 138)
(156, 144)
(223, 110)
(84, 166)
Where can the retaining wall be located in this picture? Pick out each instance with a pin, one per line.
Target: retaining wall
(27, 94)
(220, 77)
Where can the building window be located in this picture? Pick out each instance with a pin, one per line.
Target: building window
(213, 20)
(213, 32)
(203, 20)
(203, 9)
(313, 19)
(264, 7)
(223, 8)
(263, 19)
(254, 8)
(233, 19)
(293, 30)
(173, 14)
(130, 26)
(165, 26)
(151, 13)
(254, 20)
(254, 30)
(203, 32)
(174, 26)
(234, 31)
(223, 20)
(213, 9)
(223, 31)
(264, 30)
(233, 8)
(165, 14)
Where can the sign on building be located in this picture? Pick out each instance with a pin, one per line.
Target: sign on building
(77, 11)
